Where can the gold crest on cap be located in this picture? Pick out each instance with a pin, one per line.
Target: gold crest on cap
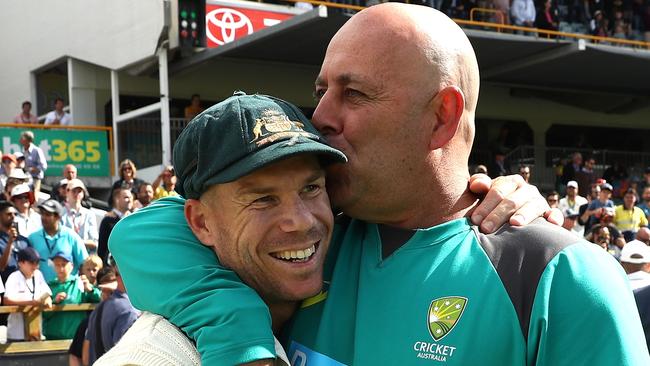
(273, 125)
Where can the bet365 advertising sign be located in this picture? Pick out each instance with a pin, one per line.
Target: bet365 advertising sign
(87, 150)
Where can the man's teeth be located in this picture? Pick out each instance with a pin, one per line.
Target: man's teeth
(296, 255)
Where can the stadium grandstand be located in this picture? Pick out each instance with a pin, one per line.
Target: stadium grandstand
(111, 86)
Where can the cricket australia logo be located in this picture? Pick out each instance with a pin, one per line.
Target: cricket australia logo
(274, 125)
(444, 314)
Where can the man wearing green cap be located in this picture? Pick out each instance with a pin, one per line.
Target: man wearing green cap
(409, 280)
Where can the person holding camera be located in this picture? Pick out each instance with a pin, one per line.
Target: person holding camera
(168, 179)
(11, 242)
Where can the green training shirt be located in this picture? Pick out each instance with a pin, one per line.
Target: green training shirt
(453, 296)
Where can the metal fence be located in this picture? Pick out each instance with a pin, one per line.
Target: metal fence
(139, 139)
(634, 163)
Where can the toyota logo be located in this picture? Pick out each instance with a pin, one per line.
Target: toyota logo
(229, 21)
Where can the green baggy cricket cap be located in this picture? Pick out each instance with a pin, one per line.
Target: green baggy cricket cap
(240, 135)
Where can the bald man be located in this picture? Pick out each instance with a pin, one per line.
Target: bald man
(409, 279)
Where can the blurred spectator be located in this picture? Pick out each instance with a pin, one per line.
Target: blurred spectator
(26, 286)
(573, 203)
(60, 191)
(69, 172)
(594, 210)
(27, 219)
(127, 178)
(26, 115)
(586, 176)
(646, 21)
(79, 218)
(643, 235)
(105, 278)
(599, 25)
(109, 321)
(11, 242)
(122, 206)
(524, 171)
(90, 268)
(547, 17)
(67, 288)
(645, 182)
(194, 108)
(523, 13)
(619, 27)
(635, 259)
(504, 7)
(145, 196)
(35, 163)
(9, 163)
(601, 236)
(571, 222)
(168, 179)
(629, 218)
(606, 220)
(54, 238)
(499, 167)
(569, 171)
(16, 177)
(553, 198)
(58, 116)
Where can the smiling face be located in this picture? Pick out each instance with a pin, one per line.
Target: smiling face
(272, 227)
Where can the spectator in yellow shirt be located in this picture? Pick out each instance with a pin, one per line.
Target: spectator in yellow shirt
(629, 218)
(168, 180)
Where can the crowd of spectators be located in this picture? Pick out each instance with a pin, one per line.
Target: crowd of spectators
(623, 19)
(610, 209)
(53, 252)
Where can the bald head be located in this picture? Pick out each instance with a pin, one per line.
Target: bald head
(398, 90)
(442, 51)
(643, 235)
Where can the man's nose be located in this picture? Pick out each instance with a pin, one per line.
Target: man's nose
(326, 116)
(297, 216)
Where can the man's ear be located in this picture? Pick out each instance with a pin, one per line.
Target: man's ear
(450, 103)
(195, 215)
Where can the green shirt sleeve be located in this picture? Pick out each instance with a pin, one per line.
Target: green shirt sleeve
(92, 296)
(167, 271)
(584, 313)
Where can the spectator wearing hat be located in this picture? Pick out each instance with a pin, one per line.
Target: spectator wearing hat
(573, 202)
(16, 177)
(122, 207)
(79, 218)
(35, 163)
(628, 218)
(11, 241)
(165, 183)
(69, 172)
(592, 215)
(27, 218)
(635, 259)
(127, 179)
(109, 321)
(55, 238)
(26, 286)
(9, 163)
(67, 288)
(26, 115)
